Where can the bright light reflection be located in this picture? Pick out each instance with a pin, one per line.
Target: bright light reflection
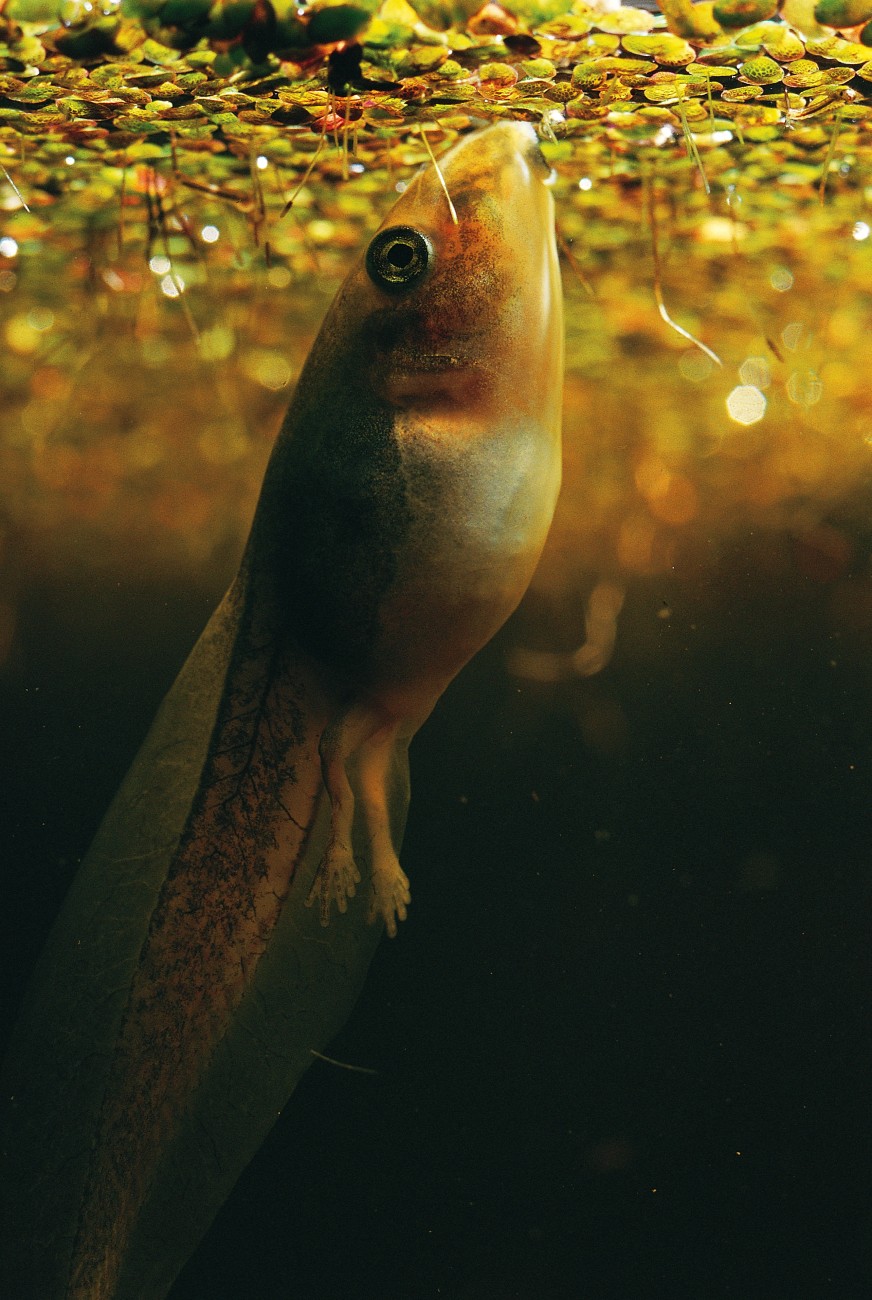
(159, 265)
(262, 163)
(746, 404)
(8, 247)
(585, 183)
(210, 234)
(862, 230)
(70, 160)
(172, 285)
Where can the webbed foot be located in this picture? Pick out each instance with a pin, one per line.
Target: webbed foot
(336, 880)
(389, 894)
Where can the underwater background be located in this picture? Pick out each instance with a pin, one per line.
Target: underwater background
(622, 1042)
(621, 1046)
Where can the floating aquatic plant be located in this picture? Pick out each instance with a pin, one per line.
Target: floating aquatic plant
(194, 90)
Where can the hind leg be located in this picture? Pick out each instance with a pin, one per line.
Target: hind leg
(389, 885)
(337, 877)
(363, 739)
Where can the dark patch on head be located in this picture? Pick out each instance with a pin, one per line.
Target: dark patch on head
(394, 326)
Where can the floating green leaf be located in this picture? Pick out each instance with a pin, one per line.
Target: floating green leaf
(740, 13)
(843, 13)
(761, 71)
(661, 47)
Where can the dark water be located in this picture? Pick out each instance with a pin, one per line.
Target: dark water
(622, 1041)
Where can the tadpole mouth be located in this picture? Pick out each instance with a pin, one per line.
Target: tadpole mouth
(416, 362)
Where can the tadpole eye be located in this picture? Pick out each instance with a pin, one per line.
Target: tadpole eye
(398, 257)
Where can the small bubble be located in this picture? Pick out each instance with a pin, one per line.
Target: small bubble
(781, 279)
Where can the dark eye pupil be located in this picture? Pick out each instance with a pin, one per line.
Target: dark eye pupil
(398, 258)
(400, 255)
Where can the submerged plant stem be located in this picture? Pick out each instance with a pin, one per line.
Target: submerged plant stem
(16, 190)
(343, 1065)
(692, 147)
(837, 125)
(306, 174)
(451, 208)
(574, 264)
(658, 283)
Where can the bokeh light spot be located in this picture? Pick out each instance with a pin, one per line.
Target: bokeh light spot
(746, 404)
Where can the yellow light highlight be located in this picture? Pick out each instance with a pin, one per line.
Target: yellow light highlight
(267, 368)
(21, 335)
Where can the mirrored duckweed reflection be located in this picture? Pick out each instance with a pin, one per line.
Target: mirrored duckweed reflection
(620, 1044)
